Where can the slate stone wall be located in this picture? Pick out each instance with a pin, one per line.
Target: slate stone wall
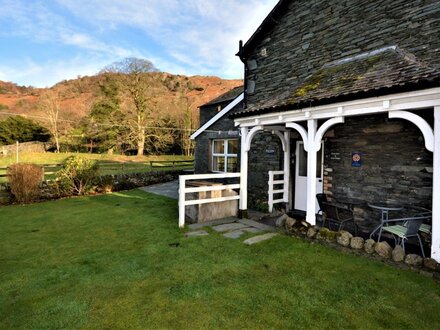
(395, 164)
(222, 129)
(266, 155)
(311, 33)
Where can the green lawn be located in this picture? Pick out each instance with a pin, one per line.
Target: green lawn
(119, 261)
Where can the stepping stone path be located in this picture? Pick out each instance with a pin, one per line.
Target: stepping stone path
(228, 227)
(234, 228)
(234, 234)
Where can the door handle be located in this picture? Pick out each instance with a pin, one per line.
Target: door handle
(320, 180)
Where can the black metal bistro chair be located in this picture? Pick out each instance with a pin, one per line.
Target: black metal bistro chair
(338, 214)
(321, 199)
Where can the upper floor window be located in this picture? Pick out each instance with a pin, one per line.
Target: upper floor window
(224, 155)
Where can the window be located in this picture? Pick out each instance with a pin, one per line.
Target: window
(224, 155)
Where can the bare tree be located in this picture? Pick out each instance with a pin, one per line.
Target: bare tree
(135, 81)
(187, 125)
(49, 103)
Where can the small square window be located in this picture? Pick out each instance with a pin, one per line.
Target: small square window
(224, 155)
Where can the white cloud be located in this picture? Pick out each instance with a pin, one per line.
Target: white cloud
(201, 35)
(194, 36)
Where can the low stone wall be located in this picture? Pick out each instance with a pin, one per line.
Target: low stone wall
(106, 183)
(23, 147)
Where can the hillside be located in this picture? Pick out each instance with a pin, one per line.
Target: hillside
(78, 95)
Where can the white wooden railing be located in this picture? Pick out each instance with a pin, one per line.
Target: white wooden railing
(282, 188)
(183, 190)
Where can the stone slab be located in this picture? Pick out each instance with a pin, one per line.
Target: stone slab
(256, 215)
(252, 230)
(252, 223)
(197, 233)
(229, 226)
(212, 223)
(167, 189)
(259, 238)
(234, 234)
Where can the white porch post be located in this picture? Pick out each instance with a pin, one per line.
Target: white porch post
(435, 247)
(311, 171)
(286, 169)
(243, 173)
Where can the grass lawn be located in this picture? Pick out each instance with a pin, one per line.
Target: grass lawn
(119, 261)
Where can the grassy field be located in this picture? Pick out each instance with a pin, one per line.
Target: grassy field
(109, 164)
(119, 261)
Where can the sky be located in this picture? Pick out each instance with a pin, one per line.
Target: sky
(45, 41)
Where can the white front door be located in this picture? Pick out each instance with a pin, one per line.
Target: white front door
(301, 176)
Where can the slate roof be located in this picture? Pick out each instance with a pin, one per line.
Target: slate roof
(389, 69)
(314, 52)
(228, 96)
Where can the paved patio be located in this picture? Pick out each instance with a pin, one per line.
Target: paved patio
(167, 189)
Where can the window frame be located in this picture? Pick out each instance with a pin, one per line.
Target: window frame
(225, 155)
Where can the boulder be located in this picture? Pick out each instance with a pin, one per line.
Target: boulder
(357, 243)
(289, 223)
(414, 260)
(281, 220)
(343, 238)
(383, 249)
(297, 226)
(311, 232)
(431, 264)
(326, 234)
(398, 254)
(369, 246)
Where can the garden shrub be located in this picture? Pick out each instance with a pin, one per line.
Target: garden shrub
(24, 181)
(78, 175)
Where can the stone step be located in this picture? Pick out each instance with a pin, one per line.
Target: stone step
(255, 224)
(229, 226)
(234, 234)
(259, 238)
(212, 223)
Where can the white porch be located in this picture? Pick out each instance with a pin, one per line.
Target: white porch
(282, 123)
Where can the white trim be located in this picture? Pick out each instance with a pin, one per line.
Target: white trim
(312, 125)
(422, 124)
(213, 188)
(283, 140)
(435, 245)
(422, 99)
(324, 127)
(250, 136)
(243, 170)
(183, 190)
(230, 106)
(302, 131)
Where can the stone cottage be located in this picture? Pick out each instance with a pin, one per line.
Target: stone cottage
(342, 97)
